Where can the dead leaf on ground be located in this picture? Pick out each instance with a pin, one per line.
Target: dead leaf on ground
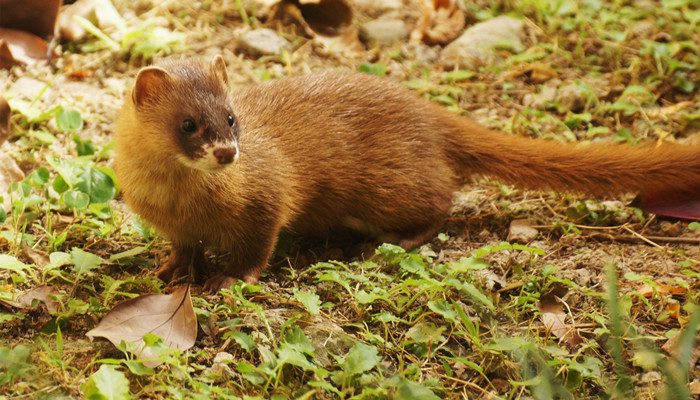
(42, 293)
(9, 173)
(37, 17)
(665, 112)
(168, 316)
(441, 22)
(38, 258)
(647, 290)
(100, 13)
(553, 316)
(671, 348)
(328, 22)
(5, 113)
(17, 48)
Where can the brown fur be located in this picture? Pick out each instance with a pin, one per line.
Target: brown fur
(334, 150)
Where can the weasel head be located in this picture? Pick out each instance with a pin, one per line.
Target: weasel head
(186, 105)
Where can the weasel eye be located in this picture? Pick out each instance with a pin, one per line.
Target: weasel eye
(230, 120)
(188, 126)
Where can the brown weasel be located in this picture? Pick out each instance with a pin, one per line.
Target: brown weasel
(316, 153)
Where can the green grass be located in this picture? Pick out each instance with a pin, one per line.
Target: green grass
(461, 317)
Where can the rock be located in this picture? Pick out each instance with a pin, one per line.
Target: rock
(384, 31)
(220, 370)
(423, 55)
(572, 97)
(375, 8)
(262, 42)
(521, 231)
(539, 100)
(474, 48)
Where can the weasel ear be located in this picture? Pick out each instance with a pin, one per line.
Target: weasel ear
(219, 67)
(150, 82)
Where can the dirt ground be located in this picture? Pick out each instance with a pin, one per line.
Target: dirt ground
(578, 236)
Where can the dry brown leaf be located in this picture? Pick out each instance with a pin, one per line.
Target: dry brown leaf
(9, 173)
(34, 16)
(553, 316)
(17, 47)
(42, 293)
(168, 316)
(441, 22)
(5, 113)
(38, 258)
(647, 291)
(100, 13)
(328, 22)
(665, 112)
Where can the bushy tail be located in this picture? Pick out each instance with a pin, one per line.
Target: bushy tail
(598, 169)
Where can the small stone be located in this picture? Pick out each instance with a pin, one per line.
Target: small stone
(262, 42)
(539, 100)
(521, 231)
(375, 8)
(220, 370)
(384, 31)
(572, 97)
(423, 55)
(474, 48)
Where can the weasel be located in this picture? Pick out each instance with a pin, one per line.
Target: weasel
(322, 152)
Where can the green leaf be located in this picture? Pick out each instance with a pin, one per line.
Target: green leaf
(69, 120)
(408, 390)
(84, 147)
(288, 354)
(295, 337)
(107, 383)
(361, 358)
(128, 253)
(75, 199)
(84, 261)
(137, 368)
(373, 69)
(98, 185)
(425, 332)
(444, 308)
(10, 263)
(506, 344)
(694, 225)
(457, 76)
(310, 300)
(244, 340)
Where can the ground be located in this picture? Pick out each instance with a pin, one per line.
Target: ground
(595, 300)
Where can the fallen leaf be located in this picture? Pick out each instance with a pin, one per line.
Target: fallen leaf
(33, 16)
(328, 22)
(38, 258)
(664, 112)
(440, 23)
(5, 113)
(676, 204)
(17, 48)
(100, 13)
(9, 173)
(647, 290)
(553, 316)
(42, 293)
(168, 316)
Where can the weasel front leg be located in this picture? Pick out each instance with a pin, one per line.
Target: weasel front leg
(178, 264)
(248, 260)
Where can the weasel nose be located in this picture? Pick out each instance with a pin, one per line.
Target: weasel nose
(225, 155)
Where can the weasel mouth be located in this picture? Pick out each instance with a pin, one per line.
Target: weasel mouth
(226, 155)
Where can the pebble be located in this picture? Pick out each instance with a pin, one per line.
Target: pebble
(262, 42)
(474, 48)
(521, 231)
(384, 31)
